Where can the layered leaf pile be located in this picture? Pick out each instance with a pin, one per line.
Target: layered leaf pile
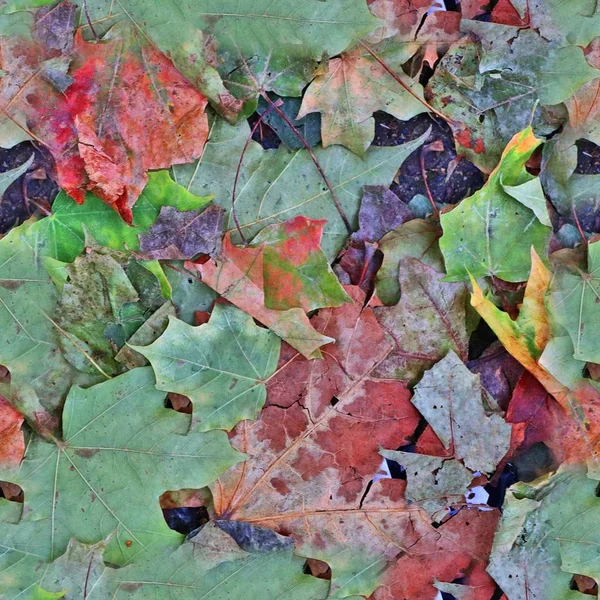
(299, 299)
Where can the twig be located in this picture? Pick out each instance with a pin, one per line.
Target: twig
(436, 212)
(272, 105)
(406, 87)
(87, 16)
(579, 227)
(314, 159)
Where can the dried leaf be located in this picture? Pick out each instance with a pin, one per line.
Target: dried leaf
(451, 398)
(181, 235)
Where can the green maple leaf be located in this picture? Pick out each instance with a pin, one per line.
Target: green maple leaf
(221, 366)
(546, 535)
(61, 235)
(212, 565)
(280, 184)
(29, 339)
(492, 232)
(121, 449)
(574, 301)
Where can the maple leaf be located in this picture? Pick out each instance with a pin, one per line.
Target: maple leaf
(544, 536)
(353, 88)
(295, 269)
(428, 321)
(40, 375)
(416, 239)
(239, 276)
(217, 563)
(182, 235)
(572, 301)
(491, 232)
(401, 17)
(120, 446)
(360, 344)
(225, 386)
(266, 179)
(93, 298)
(61, 234)
(116, 120)
(306, 475)
(452, 401)
(527, 338)
(79, 568)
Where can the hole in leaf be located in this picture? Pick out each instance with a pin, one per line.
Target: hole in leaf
(317, 568)
(186, 518)
(179, 403)
(4, 374)
(11, 491)
(584, 585)
(334, 401)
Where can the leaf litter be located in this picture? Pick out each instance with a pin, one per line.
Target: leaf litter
(299, 299)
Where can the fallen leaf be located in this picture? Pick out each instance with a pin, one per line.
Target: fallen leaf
(452, 400)
(416, 239)
(544, 536)
(121, 449)
(354, 87)
(490, 232)
(238, 276)
(428, 321)
(181, 235)
(306, 476)
(101, 131)
(573, 302)
(12, 441)
(295, 269)
(225, 386)
(360, 345)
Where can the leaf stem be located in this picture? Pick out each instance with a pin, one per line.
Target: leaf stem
(406, 87)
(273, 105)
(314, 159)
(436, 212)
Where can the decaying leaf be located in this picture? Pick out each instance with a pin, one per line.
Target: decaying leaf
(452, 400)
(181, 235)
(428, 321)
